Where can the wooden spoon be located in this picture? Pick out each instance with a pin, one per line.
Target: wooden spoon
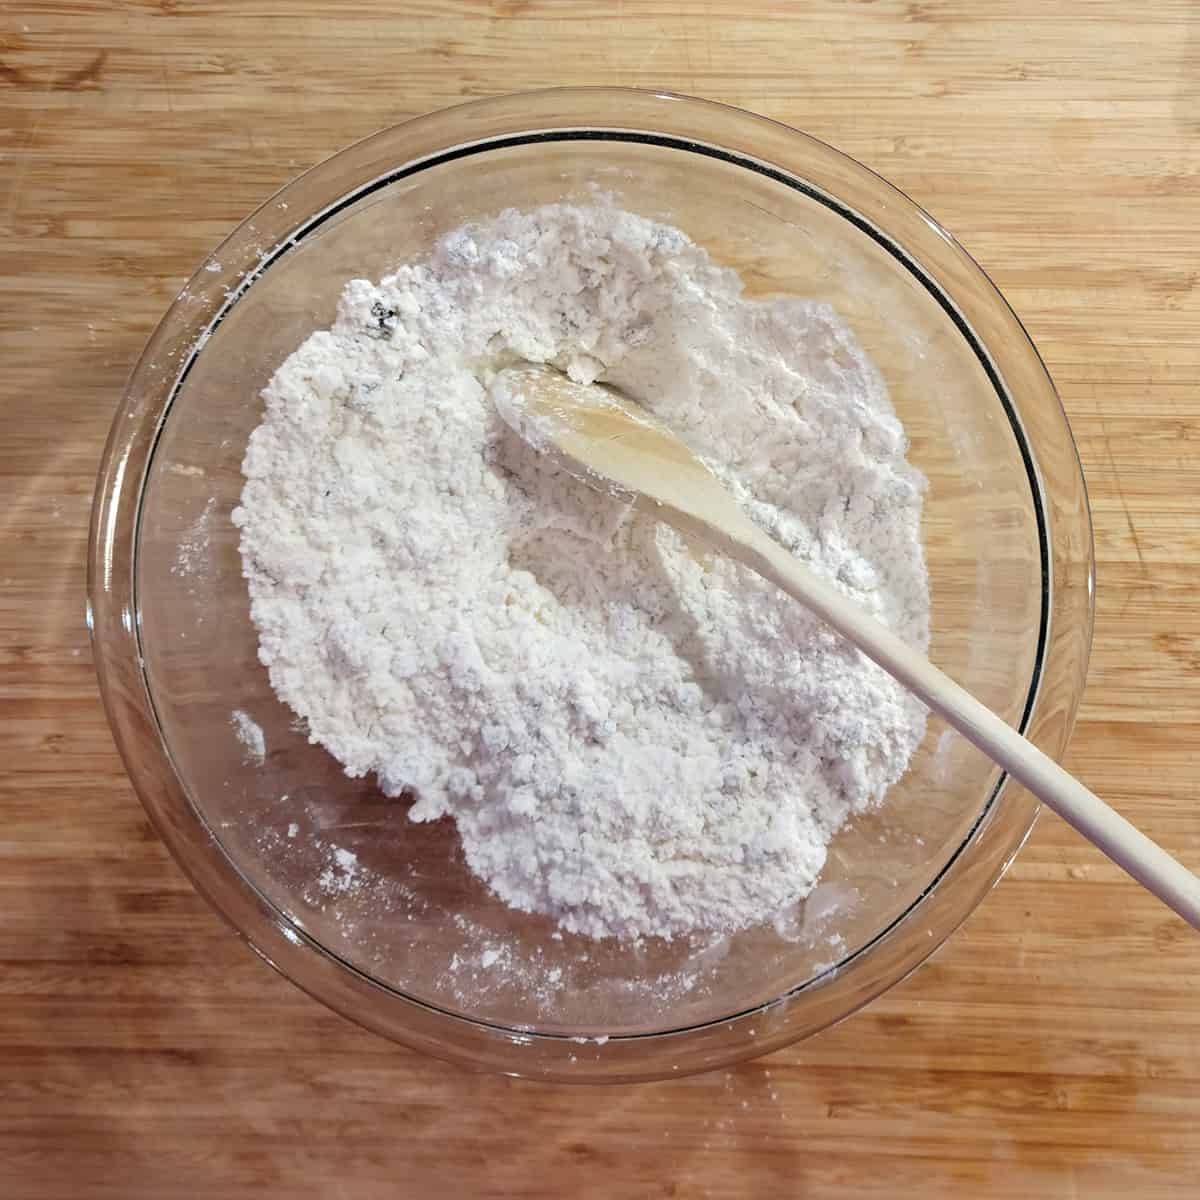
(611, 443)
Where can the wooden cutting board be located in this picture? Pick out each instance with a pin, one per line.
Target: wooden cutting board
(1051, 1049)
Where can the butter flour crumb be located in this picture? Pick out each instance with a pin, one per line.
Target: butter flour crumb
(343, 873)
(632, 737)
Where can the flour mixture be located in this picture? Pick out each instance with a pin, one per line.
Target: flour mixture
(633, 736)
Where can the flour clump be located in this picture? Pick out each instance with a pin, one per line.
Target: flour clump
(633, 736)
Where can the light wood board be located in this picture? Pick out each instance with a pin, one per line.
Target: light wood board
(1051, 1049)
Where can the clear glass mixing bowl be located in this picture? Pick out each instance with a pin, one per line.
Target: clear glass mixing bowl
(421, 952)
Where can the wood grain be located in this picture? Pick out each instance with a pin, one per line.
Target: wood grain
(1051, 1049)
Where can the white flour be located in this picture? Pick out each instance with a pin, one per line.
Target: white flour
(632, 736)
(249, 733)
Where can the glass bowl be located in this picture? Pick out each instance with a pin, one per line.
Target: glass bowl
(418, 949)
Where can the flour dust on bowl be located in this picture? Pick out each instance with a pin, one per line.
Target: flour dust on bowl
(529, 866)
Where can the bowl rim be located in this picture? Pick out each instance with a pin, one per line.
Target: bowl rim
(779, 152)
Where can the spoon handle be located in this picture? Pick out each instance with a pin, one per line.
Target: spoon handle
(1126, 845)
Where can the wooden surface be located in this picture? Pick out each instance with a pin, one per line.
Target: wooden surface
(1051, 1049)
